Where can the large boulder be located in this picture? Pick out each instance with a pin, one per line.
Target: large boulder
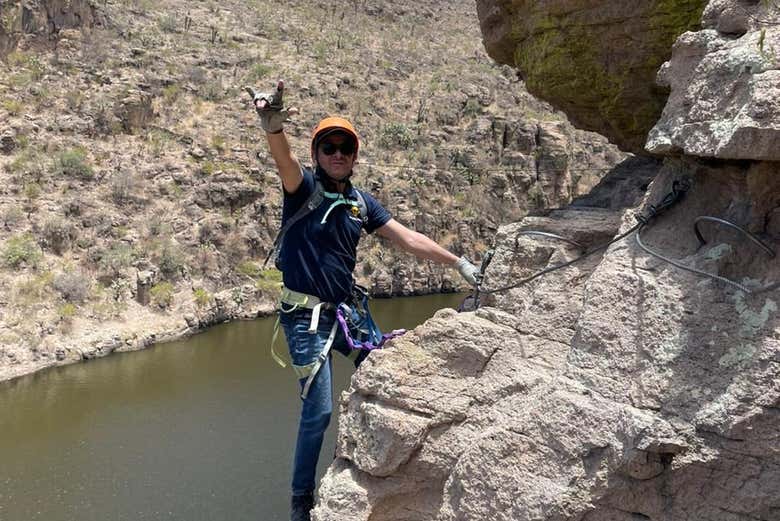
(618, 389)
(725, 86)
(596, 60)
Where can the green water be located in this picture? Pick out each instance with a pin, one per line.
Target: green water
(201, 429)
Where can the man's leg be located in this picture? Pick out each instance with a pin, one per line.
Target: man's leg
(315, 417)
(316, 409)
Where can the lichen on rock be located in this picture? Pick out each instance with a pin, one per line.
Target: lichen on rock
(593, 60)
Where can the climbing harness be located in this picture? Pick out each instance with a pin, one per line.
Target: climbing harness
(357, 207)
(314, 368)
(676, 263)
(296, 300)
(679, 189)
(342, 317)
(354, 319)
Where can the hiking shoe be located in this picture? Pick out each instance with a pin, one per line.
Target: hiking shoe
(300, 507)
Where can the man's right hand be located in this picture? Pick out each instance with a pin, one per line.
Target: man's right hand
(270, 108)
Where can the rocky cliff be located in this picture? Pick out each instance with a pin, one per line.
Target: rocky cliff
(725, 87)
(621, 388)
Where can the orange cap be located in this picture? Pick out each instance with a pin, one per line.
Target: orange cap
(333, 124)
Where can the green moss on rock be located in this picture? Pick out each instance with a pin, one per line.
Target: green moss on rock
(602, 75)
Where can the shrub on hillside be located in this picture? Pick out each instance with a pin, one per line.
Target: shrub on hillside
(396, 135)
(74, 99)
(21, 250)
(202, 297)
(30, 291)
(31, 192)
(251, 269)
(257, 72)
(171, 93)
(162, 294)
(270, 282)
(73, 163)
(28, 166)
(168, 23)
(115, 259)
(12, 106)
(66, 312)
(171, 261)
(123, 185)
(472, 108)
(11, 215)
(72, 286)
(34, 67)
(212, 90)
(57, 235)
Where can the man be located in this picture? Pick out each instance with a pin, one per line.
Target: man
(317, 257)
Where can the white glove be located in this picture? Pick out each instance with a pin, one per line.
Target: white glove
(270, 108)
(468, 271)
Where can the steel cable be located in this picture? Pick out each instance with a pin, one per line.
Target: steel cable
(679, 189)
(702, 241)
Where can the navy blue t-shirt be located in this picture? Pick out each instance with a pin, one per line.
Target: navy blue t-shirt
(316, 258)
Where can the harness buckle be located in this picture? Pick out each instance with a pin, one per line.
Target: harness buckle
(315, 318)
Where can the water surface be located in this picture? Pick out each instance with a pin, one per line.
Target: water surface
(201, 429)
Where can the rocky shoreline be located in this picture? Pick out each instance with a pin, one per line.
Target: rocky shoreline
(140, 329)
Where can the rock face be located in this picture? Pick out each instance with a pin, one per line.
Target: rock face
(42, 18)
(725, 86)
(621, 388)
(594, 60)
(135, 111)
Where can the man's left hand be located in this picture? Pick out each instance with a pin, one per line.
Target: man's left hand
(468, 271)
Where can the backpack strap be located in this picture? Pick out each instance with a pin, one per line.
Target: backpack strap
(363, 207)
(311, 204)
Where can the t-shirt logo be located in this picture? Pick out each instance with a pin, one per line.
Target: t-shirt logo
(355, 211)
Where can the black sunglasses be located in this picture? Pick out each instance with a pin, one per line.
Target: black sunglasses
(347, 148)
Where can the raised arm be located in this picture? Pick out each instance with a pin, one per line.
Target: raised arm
(270, 108)
(286, 163)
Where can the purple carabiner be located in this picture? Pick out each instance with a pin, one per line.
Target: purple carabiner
(365, 346)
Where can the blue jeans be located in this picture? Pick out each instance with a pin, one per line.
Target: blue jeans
(318, 405)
